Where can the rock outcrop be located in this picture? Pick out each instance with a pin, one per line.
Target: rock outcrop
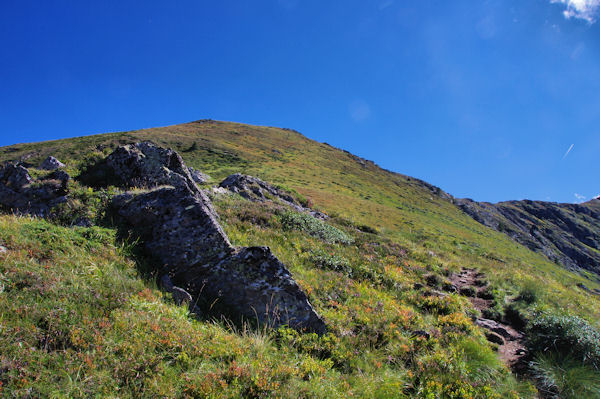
(21, 194)
(568, 234)
(179, 230)
(51, 163)
(198, 177)
(254, 189)
(145, 165)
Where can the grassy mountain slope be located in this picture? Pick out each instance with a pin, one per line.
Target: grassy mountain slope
(403, 229)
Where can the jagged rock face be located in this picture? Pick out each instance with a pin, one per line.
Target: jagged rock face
(179, 229)
(51, 163)
(20, 194)
(146, 165)
(254, 189)
(565, 233)
(177, 226)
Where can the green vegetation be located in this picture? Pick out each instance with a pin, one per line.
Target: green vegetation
(314, 227)
(570, 336)
(566, 377)
(77, 318)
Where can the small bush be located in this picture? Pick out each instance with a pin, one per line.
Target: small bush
(568, 335)
(367, 229)
(444, 305)
(95, 172)
(331, 261)
(314, 227)
(83, 206)
(530, 292)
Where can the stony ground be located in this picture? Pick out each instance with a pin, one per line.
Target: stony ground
(511, 345)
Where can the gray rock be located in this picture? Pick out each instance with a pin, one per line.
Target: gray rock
(587, 289)
(14, 176)
(568, 234)
(198, 177)
(180, 296)
(83, 222)
(179, 230)
(51, 163)
(20, 194)
(146, 165)
(254, 189)
(504, 331)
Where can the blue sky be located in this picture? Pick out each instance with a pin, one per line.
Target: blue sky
(482, 98)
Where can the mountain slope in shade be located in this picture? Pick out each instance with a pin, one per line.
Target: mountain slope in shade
(568, 234)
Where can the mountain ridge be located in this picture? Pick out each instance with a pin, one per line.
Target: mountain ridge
(568, 234)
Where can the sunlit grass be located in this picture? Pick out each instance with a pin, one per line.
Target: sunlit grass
(77, 319)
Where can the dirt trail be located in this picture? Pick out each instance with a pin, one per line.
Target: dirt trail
(511, 348)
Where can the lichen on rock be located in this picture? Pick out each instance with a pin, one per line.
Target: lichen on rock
(179, 229)
(51, 163)
(254, 189)
(21, 194)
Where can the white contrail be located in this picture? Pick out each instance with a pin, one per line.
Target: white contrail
(568, 151)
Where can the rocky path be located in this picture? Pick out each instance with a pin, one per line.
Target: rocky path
(511, 348)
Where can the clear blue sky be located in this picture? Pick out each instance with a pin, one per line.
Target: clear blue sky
(482, 98)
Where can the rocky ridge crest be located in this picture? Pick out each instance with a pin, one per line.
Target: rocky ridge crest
(568, 234)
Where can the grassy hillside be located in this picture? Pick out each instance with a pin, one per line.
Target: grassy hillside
(75, 311)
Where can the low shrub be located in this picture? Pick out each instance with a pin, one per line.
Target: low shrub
(314, 227)
(567, 335)
(433, 280)
(488, 293)
(530, 292)
(84, 206)
(441, 305)
(331, 261)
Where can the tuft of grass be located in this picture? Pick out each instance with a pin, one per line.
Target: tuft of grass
(530, 292)
(565, 377)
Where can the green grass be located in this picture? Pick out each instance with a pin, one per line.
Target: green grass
(304, 222)
(566, 377)
(77, 319)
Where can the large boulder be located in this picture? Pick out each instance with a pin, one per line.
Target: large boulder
(179, 230)
(51, 163)
(147, 165)
(19, 193)
(255, 189)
